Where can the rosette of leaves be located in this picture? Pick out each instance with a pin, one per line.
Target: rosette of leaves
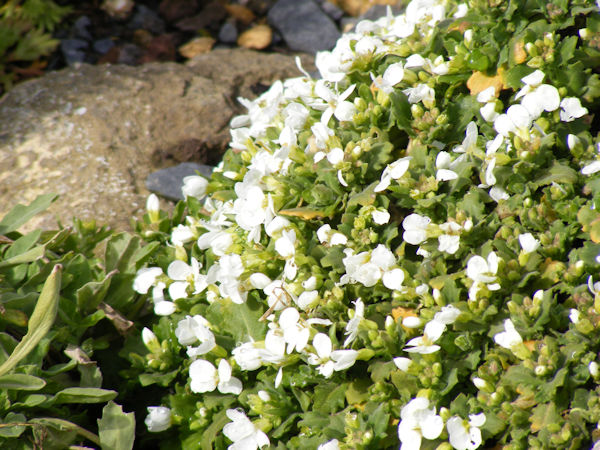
(405, 250)
(66, 308)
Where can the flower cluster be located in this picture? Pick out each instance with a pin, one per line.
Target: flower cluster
(400, 250)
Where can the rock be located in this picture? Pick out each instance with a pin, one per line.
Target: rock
(228, 33)
(210, 16)
(303, 25)
(103, 45)
(92, 134)
(174, 10)
(80, 28)
(332, 10)
(257, 37)
(197, 46)
(168, 182)
(146, 19)
(72, 50)
(119, 9)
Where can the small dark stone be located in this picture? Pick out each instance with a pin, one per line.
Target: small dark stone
(210, 17)
(146, 19)
(174, 10)
(129, 54)
(332, 10)
(72, 50)
(103, 45)
(168, 182)
(80, 28)
(228, 33)
(303, 25)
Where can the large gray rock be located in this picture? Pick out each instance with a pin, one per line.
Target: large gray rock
(304, 26)
(93, 133)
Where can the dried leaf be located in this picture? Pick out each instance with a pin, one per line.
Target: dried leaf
(257, 37)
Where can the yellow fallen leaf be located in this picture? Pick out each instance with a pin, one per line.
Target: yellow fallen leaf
(196, 47)
(257, 37)
(480, 82)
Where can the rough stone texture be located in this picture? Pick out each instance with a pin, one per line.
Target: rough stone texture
(304, 26)
(93, 133)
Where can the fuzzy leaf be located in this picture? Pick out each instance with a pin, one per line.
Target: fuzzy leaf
(20, 214)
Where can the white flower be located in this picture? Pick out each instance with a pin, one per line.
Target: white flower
(327, 236)
(332, 103)
(145, 279)
(185, 275)
(470, 140)
(415, 228)
(484, 271)
(402, 363)
(448, 243)
(571, 109)
(329, 445)
(182, 234)
(594, 369)
(412, 322)
(393, 171)
(463, 436)
(420, 93)
(295, 334)
(528, 243)
(243, 433)
(194, 186)
(443, 163)
(417, 422)
(153, 207)
(380, 217)
(509, 337)
(205, 378)
(516, 117)
(352, 325)
(328, 358)
(391, 77)
(158, 418)
(591, 168)
(573, 315)
(285, 244)
(193, 329)
(248, 356)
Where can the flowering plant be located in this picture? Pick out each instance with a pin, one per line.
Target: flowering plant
(403, 251)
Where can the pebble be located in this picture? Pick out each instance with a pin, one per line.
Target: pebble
(146, 19)
(228, 33)
(168, 182)
(103, 45)
(72, 50)
(80, 28)
(304, 26)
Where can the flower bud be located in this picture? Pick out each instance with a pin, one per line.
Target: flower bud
(153, 208)
(158, 418)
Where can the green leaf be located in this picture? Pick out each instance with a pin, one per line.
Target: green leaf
(84, 395)
(211, 433)
(558, 173)
(65, 425)
(545, 416)
(12, 425)
(241, 321)
(92, 293)
(29, 256)
(40, 322)
(21, 382)
(116, 428)
(20, 214)
(401, 111)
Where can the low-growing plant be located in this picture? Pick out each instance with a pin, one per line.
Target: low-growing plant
(66, 308)
(405, 250)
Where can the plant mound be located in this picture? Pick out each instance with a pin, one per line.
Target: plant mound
(403, 251)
